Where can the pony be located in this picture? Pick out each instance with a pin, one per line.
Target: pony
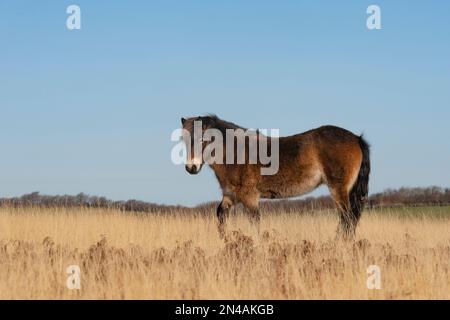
(327, 155)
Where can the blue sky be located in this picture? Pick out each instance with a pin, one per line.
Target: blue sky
(92, 110)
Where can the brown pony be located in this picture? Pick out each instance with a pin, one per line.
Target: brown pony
(327, 155)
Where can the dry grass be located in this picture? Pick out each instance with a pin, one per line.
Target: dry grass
(131, 256)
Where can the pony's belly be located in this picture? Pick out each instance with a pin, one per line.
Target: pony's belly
(298, 190)
(293, 188)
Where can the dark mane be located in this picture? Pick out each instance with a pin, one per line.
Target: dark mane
(220, 124)
(212, 121)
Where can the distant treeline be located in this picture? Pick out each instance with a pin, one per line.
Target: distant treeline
(434, 196)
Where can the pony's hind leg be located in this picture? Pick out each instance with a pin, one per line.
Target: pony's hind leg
(222, 213)
(347, 220)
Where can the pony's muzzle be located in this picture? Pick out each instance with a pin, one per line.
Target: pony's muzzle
(193, 168)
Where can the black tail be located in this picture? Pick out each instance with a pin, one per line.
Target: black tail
(360, 190)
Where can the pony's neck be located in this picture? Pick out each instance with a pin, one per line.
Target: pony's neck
(219, 171)
(223, 125)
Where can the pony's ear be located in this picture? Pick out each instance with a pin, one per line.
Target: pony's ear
(183, 120)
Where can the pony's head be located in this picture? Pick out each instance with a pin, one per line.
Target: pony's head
(194, 129)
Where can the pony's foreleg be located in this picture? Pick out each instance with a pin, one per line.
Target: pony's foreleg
(255, 217)
(222, 213)
(251, 204)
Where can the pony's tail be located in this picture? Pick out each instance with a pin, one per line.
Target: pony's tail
(360, 190)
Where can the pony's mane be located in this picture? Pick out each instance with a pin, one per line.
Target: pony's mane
(220, 124)
(212, 121)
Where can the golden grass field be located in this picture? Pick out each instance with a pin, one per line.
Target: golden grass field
(141, 256)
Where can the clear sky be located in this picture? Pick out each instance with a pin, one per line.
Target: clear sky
(92, 110)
